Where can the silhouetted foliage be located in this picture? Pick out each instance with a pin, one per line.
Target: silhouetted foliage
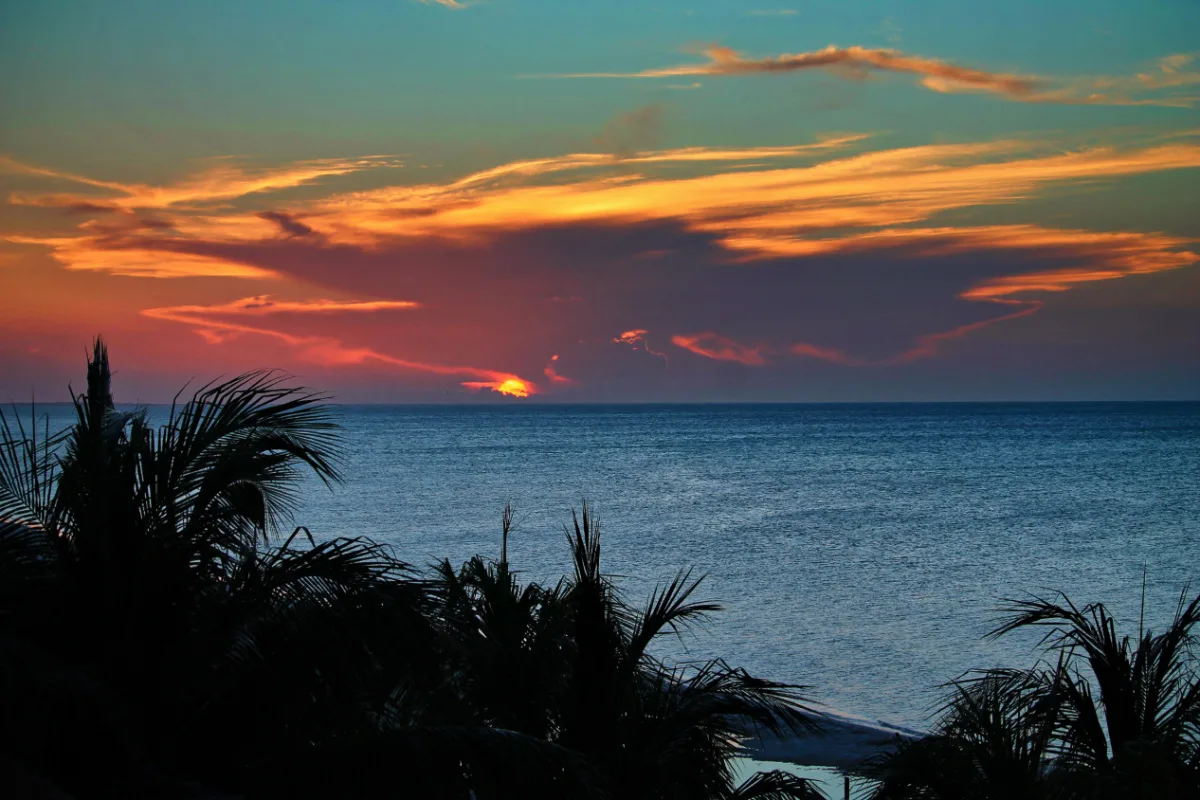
(1105, 716)
(156, 641)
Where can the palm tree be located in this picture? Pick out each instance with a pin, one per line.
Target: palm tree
(656, 731)
(134, 561)
(572, 665)
(1103, 716)
(507, 643)
(991, 742)
(1128, 709)
(154, 639)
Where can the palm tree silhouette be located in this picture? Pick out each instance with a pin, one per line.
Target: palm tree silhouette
(572, 665)
(134, 562)
(156, 641)
(1105, 715)
(652, 730)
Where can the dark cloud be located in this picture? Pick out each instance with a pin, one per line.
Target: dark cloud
(486, 303)
(286, 223)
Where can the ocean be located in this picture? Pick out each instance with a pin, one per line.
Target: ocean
(861, 550)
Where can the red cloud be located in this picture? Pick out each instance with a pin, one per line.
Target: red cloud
(714, 346)
(328, 351)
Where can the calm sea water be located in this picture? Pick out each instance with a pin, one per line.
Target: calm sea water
(860, 549)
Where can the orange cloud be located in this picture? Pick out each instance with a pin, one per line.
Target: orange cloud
(261, 305)
(224, 180)
(127, 246)
(95, 254)
(532, 168)
(858, 62)
(1112, 255)
(711, 345)
(757, 213)
(810, 201)
(138, 246)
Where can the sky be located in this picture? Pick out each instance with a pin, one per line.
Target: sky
(524, 201)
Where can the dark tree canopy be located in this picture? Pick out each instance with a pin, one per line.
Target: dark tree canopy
(162, 635)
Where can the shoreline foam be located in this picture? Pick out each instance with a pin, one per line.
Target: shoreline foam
(845, 740)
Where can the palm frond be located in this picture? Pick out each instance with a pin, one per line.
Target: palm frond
(776, 785)
(234, 451)
(669, 610)
(28, 473)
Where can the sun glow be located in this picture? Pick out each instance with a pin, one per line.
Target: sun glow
(512, 387)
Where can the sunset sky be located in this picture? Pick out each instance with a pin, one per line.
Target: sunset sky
(536, 201)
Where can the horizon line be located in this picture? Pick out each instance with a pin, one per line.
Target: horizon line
(524, 403)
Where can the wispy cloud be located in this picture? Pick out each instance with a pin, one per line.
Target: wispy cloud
(891, 31)
(636, 339)
(213, 323)
(1111, 255)
(1161, 85)
(926, 346)
(719, 348)
(223, 180)
(756, 213)
(753, 213)
(929, 344)
(263, 305)
(533, 168)
(1157, 86)
(855, 62)
(669, 212)
(124, 257)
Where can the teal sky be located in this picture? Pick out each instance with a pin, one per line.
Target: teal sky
(149, 93)
(185, 80)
